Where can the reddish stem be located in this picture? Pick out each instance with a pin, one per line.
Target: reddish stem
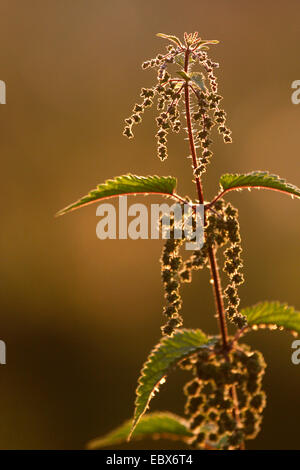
(211, 252)
(212, 257)
(214, 268)
(190, 130)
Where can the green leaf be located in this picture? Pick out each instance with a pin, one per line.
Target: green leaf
(179, 59)
(257, 179)
(126, 184)
(163, 425)
(183, 74)
(203, 42)
(165, 355)
(198, 78)
(170, 38)
(272, 314)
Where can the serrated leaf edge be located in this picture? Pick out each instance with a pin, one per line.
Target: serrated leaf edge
(271, 326)
(162, 379)
(152, 435)
(258, 173)
(80, 202)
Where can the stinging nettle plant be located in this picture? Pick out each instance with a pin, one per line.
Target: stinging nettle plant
(224, 395)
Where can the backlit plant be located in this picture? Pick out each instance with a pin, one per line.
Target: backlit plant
(224, 395)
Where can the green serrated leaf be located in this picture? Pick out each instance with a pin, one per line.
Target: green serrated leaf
(273, 314)
(165, 354)
(170, 38)
(183, 74)
(162, 425)
(257, 179)
(198, 78)
(126, 184)
(179, 60)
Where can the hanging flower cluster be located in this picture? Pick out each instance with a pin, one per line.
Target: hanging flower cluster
(171, 87)
(221, 386)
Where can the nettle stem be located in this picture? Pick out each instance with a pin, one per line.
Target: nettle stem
(211, 253)
(214, 268)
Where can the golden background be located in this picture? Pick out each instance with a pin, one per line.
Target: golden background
(80, 315)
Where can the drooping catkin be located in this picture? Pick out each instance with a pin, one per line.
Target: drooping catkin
(232, 267)
(211, 406)
(136, 117)
(171, 262)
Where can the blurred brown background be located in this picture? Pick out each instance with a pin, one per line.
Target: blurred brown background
(80, 315)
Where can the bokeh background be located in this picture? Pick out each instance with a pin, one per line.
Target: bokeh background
(80, 315)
